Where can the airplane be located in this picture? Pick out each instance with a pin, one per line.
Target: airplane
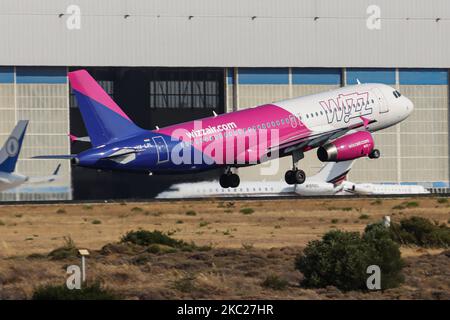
(338, 123)
(325, 182)
(378, 188)
(9, 154)
(332, 180)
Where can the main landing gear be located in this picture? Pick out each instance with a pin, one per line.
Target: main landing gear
(229, 179)
(295, 176)
(375, 154)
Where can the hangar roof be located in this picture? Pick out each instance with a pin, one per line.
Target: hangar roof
(226, 33)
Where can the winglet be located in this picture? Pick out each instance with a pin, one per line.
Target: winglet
(57, 169)
(72, 137)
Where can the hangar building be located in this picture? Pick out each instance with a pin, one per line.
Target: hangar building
(166, 61)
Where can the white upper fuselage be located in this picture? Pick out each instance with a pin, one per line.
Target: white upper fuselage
(372, 101)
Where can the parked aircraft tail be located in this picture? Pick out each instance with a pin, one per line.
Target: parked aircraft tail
(11, 149)
(333, 172)
(104, 119)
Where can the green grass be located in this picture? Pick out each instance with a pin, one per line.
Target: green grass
(412, 204)
(87, 207)
(246, 211)
(191, 213)
(376, 202)
(442, 200)
(364, 217)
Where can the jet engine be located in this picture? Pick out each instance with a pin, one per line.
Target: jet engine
(348, 147)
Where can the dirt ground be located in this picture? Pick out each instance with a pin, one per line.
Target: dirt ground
(250, 240)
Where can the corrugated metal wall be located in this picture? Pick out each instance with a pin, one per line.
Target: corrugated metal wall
(217, 33)
(41, 96)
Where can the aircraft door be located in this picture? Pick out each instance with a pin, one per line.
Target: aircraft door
(161, 148)
(382, 103)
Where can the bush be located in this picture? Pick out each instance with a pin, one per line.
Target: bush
(420, 231)
(146, 238)
(61, 292)
(442, 200)
(191, 213)
(247, 210)
(96, 222)
(341, 259)
(274, 282)
(68, 250)
(364, 217)
(412, 204)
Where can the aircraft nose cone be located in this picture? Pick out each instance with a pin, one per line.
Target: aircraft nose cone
(409, 106)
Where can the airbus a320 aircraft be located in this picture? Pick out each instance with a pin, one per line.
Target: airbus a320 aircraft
(339, 123)
(8, 159)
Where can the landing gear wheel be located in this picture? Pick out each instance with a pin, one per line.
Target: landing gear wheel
(300, 176)
(231, 180)
(289, 177)
(234, 180)
(224, 181)
(375, 154)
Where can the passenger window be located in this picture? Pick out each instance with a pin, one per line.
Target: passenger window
(373, 101)
(268, 124)
(307, 116)
(287, 120)
(273, 124)
(317, 114)
(278, 122)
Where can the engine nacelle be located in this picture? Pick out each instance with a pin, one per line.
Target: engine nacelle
(349, 147)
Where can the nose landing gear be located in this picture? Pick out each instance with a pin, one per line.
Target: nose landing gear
(295, 176)
(375, 154)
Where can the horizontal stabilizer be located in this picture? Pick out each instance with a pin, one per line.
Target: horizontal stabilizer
(60, 156)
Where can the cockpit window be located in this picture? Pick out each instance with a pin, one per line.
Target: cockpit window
(396, 94)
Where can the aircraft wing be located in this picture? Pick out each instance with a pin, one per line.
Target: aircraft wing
(45, 179)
